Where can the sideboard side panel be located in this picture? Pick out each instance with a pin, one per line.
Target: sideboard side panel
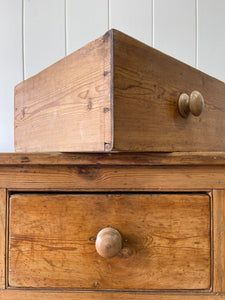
(2, 237)
(219, 240)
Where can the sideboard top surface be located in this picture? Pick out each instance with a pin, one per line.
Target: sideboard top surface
(116, 158)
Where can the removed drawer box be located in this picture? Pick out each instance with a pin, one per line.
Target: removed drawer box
(117, 94)
(165, 241)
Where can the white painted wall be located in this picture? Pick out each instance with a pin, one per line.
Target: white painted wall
(36, 33)
(11, 67)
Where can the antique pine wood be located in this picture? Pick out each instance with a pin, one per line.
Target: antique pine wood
(71, 94)
(166, 241)
(117, 94)
(219, 240)
(147, 86)
(148, 158)
(105, 178)
(46, 295)
(2, 237)
(142, 175)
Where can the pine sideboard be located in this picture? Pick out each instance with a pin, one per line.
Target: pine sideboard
(163, 212)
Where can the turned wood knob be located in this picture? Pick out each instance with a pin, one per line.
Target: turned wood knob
(108, 242)
(193, 104)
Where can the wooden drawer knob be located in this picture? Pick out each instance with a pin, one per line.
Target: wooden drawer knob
(108, 242)
(193, 104)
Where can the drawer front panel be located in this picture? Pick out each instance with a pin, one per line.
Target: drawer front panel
(165, 237)
(147, 86)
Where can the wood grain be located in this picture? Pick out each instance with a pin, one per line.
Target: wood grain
(2, 238)
(138, 159)
(51, 241)
(147, 86)
(112, 178)
(63, 108)
(219, 240)
(117, 94)
(49, 295)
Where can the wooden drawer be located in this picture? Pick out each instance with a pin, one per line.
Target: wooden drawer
(165, 241)
(117, 94)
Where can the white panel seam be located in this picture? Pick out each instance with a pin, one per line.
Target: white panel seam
(23, 39)
(153, 21)
(65, 26)
(196, 33)
(109, 14)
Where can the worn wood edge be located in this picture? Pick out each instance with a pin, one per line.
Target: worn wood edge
(150, 158)
(109, 147)
(7, 240)
(219, 240)
(2, 238)
(210, 195)
(29, 295)
(108, 81)
(211, 238)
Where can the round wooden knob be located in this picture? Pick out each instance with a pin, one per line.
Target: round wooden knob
(108, 242)
(196, 103)
(193, 104)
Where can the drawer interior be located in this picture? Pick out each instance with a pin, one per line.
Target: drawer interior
(166, 237)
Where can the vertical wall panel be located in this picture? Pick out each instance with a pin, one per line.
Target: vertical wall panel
(211, 33)
(175, 28)
(133, 17)
(11, 67)
(86, 21)
(44, 34)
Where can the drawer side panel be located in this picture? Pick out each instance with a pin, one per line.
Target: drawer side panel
(66, 107)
